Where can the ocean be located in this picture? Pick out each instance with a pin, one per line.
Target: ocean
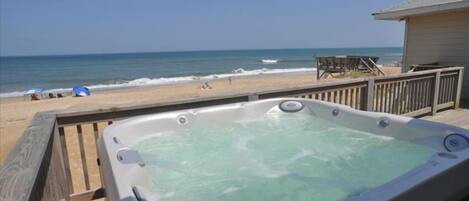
(106, 71)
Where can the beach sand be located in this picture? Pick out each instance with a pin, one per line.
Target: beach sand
(15, 114)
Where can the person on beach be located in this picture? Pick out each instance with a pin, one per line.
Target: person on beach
(34, 97)
(229, 79)
(206, 86)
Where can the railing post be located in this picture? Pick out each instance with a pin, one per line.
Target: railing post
(370, 95)
(367, 98)
(436, 92)
(459, 88)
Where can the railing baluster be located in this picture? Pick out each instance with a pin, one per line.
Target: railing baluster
(385, 96)
(412, 96)
(447, 86)
(442, 90)
(340, 96)
(63, 142)
(83, 157)
(404, 97)
(419, 95)
(96, 136)
(375, 97)
(388, 97)
(450, 88)
(380, 98)
(458, 88)
(399, 97)
(393, 97)
(429, 92)
(357, 98)
(95, 132)
(334, 97)
(436, 92)
(425, 94)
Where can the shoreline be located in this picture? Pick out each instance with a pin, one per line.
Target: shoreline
(184, 80)
(199, 81)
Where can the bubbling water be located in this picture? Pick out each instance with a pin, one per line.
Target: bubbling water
(274, 157)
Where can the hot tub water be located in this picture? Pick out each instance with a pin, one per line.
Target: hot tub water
(277, 156)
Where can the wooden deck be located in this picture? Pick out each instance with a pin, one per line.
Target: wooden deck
(457, 117)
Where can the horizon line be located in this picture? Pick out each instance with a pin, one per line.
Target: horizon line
(200, 50)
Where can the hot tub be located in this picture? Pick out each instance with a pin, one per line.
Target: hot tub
(283, 149)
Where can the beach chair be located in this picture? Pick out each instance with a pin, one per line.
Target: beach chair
(354, 63)
(370, 64)
(335, 65)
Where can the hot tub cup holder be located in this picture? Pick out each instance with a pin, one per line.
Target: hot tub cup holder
(127, 156)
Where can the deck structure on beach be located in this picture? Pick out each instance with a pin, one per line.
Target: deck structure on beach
(56, 158)
(328, 65)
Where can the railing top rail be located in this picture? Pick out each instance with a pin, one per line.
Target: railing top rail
(418, 73)
(20, 170)
(92, 115)
(70, 116)
(124, 107)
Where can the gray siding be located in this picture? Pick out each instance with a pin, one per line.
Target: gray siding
(442, 38)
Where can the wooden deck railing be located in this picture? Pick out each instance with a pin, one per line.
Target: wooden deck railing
(56, 158)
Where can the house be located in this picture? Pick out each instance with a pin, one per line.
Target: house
(435, 31)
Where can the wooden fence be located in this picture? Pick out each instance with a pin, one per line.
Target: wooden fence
(56, 158)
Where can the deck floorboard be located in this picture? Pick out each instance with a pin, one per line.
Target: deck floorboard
(457, 117)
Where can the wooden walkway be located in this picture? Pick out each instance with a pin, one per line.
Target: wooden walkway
(458, 117)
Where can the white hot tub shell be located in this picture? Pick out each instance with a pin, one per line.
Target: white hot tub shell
(444, 177)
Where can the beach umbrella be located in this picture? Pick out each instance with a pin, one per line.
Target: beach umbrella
(81, 91)
(34, 91)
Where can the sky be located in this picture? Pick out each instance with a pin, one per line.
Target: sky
(50, 27)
